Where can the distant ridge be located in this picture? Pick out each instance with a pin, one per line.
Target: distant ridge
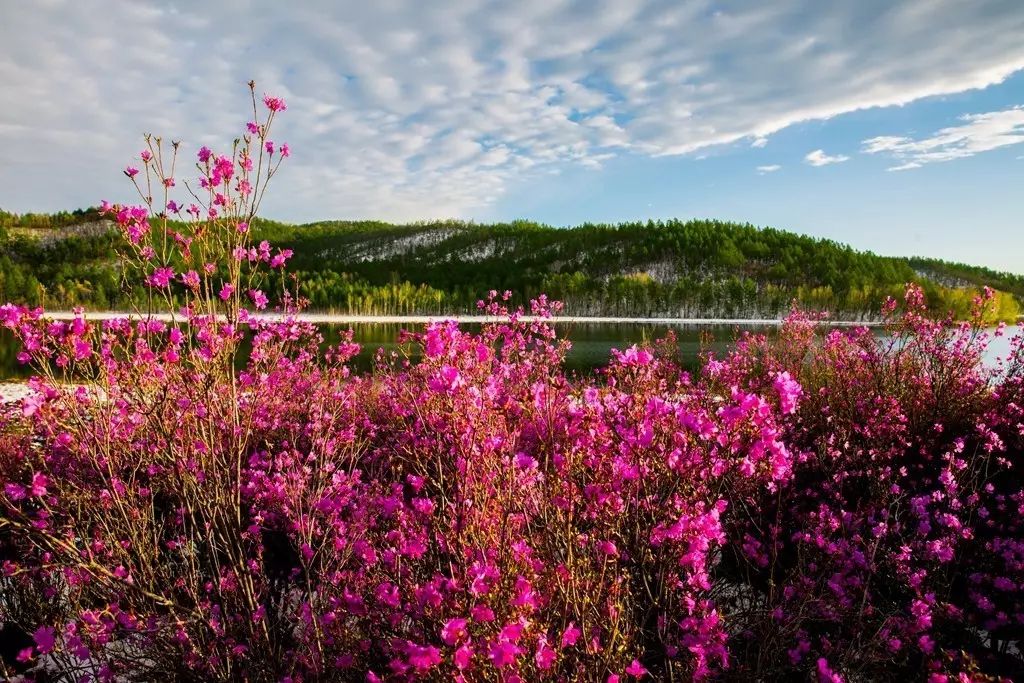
(668, 269)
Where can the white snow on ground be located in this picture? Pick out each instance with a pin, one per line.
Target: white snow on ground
(10, 392)
(403, 245)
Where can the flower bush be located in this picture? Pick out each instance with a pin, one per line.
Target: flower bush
(844, 507)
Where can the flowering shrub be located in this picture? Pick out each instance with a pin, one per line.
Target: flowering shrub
(844, 508)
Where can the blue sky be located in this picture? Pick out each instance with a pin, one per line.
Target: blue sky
(893, 126)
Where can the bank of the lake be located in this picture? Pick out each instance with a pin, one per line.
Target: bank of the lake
(592, 338)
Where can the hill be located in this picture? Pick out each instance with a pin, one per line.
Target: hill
(701, 268)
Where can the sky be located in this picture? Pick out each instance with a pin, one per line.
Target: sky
(895, 126)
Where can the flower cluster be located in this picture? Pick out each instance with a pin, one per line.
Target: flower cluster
(178, 504)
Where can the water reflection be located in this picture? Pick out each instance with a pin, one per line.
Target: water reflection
(591, 343)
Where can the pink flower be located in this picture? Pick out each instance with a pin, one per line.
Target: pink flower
(825, 674)
(636, 669)
(204, 154)
(525, 595)
(789, 391)
(131, 171)
(161, 277)
(285, 150)
(633, 356)
(274, 103)
(446, 380)
(259, 299)
(39, 482)
(482, 613)
(253, 127)
(190, 279)
(433, 344)
(269, 146)
(45, 637)
(454, 631)
(503, 653)
(280, 258)
(463, 656)
(226, 291)
(14, 491)
(571, 635)
(422, 658)
(545, 655)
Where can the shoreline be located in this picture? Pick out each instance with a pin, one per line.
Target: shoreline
(414, 319)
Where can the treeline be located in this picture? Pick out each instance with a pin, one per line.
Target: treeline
(43, 221)
(961, 274)
(665, 268)
(78, 270)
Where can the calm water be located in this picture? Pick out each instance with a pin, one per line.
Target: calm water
(591, 343)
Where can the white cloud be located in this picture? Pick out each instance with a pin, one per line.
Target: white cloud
(978, 133)
(410, 109)
(768, 169)
(904, 167)
(819, 158)
(759, 142)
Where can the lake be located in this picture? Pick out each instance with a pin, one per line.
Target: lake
(591, 342)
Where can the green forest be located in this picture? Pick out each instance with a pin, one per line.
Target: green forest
(697, 268)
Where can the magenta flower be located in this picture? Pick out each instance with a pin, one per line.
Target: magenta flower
(454, 631)
(274, 103)
(190, 279)
(571, 635)
(503, 653)
(39, 482)
(279, 259)
(789, 391)
(131, 171)
(259, 299)
(545, 656)
(15, 491)
(825, 673)
(161, 277)
(226, 291)
(636, 669)
(423, 658)
(463, 656)
(45, 638)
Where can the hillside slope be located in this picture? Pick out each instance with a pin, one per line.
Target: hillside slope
(665, 268)
(668, 268)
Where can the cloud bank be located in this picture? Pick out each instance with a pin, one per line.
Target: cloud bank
(407, 109)
(978, 133)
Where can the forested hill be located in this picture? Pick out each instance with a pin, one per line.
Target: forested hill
(667, 268)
